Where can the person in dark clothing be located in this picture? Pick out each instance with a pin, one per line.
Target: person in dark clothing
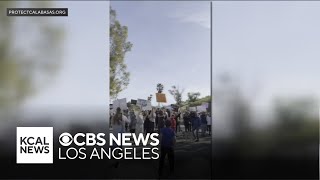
(157, 117)
(204, 123)
(178, 122)
(167, 142)
(147, 123)
(196, 123)
(133, 122)
(186, 121)
(169, 114)
(161, 121)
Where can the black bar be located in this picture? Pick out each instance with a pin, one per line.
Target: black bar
(37, 11)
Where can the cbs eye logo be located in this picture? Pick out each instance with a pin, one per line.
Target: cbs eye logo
(65, 139)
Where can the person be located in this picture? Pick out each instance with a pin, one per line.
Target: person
(125, 113)
(133, 121)
(204, 123)
(196, 123)
(173, 123)
(168, 113)
(157, 117)
(161, 121)
(139, 124)
(177, 118)
(118, 124)
(152, 117)
(147, 122)
(186, 122)
(167, 143)
(209, 120)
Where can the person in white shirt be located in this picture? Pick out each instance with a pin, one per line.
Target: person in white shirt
(166, 115)
(209, 120)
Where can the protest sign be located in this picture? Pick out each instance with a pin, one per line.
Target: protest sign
(161, 98)
(121, 103)
(192, 109)
(147, 107)
(142, 102)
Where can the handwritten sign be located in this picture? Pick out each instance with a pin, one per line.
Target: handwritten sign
(161, 98)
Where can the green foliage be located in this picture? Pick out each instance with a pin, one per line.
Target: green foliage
(199, 101)
(26, 65)
(160, 87)
(119, 46)
(177, 94)
(193, 96)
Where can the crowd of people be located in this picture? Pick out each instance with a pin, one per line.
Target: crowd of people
(150, 121)
(165, 122)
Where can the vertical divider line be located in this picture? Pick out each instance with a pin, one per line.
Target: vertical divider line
(211, 106)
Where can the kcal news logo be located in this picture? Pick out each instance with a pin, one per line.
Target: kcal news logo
(34, 145)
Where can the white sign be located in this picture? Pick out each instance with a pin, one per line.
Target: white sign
(147, 107)
(142, 102)
(192, 108)
(121, 103)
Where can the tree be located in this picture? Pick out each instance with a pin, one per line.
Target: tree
(119, 46)
(160, 88)
(193, 96)
(177, 94)
(27, 66)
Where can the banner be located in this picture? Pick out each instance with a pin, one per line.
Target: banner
(192, 109)
(161, 98)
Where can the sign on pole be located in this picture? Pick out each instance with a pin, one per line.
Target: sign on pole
(161, 98)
